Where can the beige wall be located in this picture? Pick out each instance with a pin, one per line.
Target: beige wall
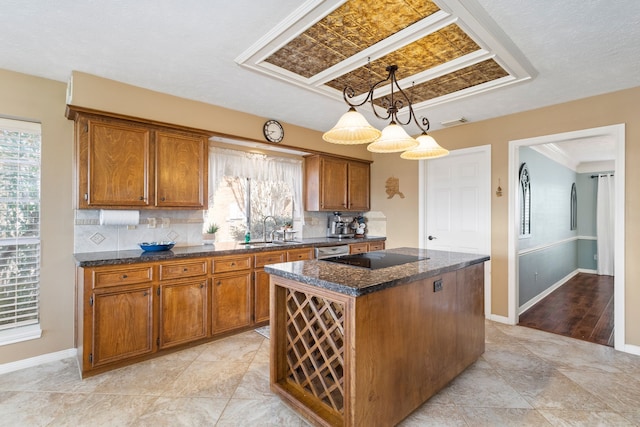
(36, 99)
(40, 99)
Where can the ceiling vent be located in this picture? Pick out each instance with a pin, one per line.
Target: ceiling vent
(454, 122)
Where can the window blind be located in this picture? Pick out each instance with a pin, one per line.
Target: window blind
(20, 154)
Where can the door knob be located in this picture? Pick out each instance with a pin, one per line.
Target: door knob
(431, 237)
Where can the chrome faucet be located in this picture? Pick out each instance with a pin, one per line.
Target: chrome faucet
(264, 228)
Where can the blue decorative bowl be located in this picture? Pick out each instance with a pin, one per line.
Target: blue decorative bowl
(156, 246)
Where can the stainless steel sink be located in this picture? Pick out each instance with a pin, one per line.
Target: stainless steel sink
(273, 243)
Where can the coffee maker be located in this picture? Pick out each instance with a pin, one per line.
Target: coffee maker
(337, 227)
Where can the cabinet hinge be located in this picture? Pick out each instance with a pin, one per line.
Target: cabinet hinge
(90, 357)
(158, 341)
(91, 301)
(158, 291)
(86, 127)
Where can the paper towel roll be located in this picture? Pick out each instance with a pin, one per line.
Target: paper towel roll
(111, 217)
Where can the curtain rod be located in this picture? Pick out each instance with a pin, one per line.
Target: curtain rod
(596, 176)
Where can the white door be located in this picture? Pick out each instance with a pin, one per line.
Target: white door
(455, 212)
(458, 197)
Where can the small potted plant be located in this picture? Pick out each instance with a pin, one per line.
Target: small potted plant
(209, 235)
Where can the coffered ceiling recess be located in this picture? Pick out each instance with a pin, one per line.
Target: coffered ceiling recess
(444, 50)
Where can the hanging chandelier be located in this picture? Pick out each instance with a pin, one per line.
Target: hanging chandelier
(353, 128)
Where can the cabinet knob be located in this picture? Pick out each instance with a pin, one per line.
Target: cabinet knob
(162, 199)
(141, 198)
(218, 283)
(185, 269)
(233, 264)
(201, 286)
(145, 293)
(124, 276)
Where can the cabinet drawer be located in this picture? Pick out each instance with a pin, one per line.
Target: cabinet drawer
(122, 276)
(358, 248)
(264, 258)
(231, 263)
(376, 246)
(177, 270)
(300, 254)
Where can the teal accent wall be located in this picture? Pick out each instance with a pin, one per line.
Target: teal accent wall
(541, 269)
(550, 224)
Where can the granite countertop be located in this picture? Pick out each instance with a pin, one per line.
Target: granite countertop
(94, 259)
(357, 281)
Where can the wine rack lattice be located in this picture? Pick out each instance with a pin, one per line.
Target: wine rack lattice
(315, 349)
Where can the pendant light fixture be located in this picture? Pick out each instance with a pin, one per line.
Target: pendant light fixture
(353, 128)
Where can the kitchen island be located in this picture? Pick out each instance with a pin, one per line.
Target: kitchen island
(364, 346)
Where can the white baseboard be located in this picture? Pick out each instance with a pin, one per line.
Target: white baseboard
(37, 360)
(533, 301)
(499, 319)
(631, 349)
(584, 270)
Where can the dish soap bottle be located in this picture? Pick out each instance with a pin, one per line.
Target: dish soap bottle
(247, 237)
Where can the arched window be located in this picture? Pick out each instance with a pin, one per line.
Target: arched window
(574, 208)
(525, 201)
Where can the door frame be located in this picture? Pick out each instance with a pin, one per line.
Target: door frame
(617, 132)
(485, 189)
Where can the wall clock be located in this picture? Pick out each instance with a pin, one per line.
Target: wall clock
(273, 131)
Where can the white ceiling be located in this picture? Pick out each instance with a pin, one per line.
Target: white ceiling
(576, 48)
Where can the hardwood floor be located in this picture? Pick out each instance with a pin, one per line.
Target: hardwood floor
(582, 308)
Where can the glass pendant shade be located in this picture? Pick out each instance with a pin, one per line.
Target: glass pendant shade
(428, 149)
(352, 128)
(393, 139)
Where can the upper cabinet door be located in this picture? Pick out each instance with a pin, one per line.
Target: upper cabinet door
(358, 186)
(114, 164)
(333, 187)
(336, 184)
(181, 170)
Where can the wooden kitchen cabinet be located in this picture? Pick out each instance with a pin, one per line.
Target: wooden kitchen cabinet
(183, 309)
(301, 254)
(181, 170)
(127, 164)
(261, 283)
(122, 325)
(116, 315)
(261, 279)
(361, 247)
(231, 293)
(113, 167)
(336, 184)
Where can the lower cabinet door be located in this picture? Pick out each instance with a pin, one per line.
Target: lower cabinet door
(261, 295)
(122, 325)
(231, 301)
(183, 312)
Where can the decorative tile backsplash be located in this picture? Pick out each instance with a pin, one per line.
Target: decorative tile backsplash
(183, 227)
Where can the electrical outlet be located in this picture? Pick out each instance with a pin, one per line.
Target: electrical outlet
(437, 285)
(595, 257)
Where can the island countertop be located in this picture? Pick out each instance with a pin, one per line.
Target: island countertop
(357, 281)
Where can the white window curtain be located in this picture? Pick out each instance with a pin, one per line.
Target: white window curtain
(224, 162)
(605, 225)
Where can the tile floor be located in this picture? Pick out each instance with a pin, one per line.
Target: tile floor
(525, 378)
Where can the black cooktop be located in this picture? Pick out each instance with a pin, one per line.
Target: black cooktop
(374, 260)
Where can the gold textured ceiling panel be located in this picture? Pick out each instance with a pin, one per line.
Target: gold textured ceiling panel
(464, 78)
(351, 28)
(435, 49)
